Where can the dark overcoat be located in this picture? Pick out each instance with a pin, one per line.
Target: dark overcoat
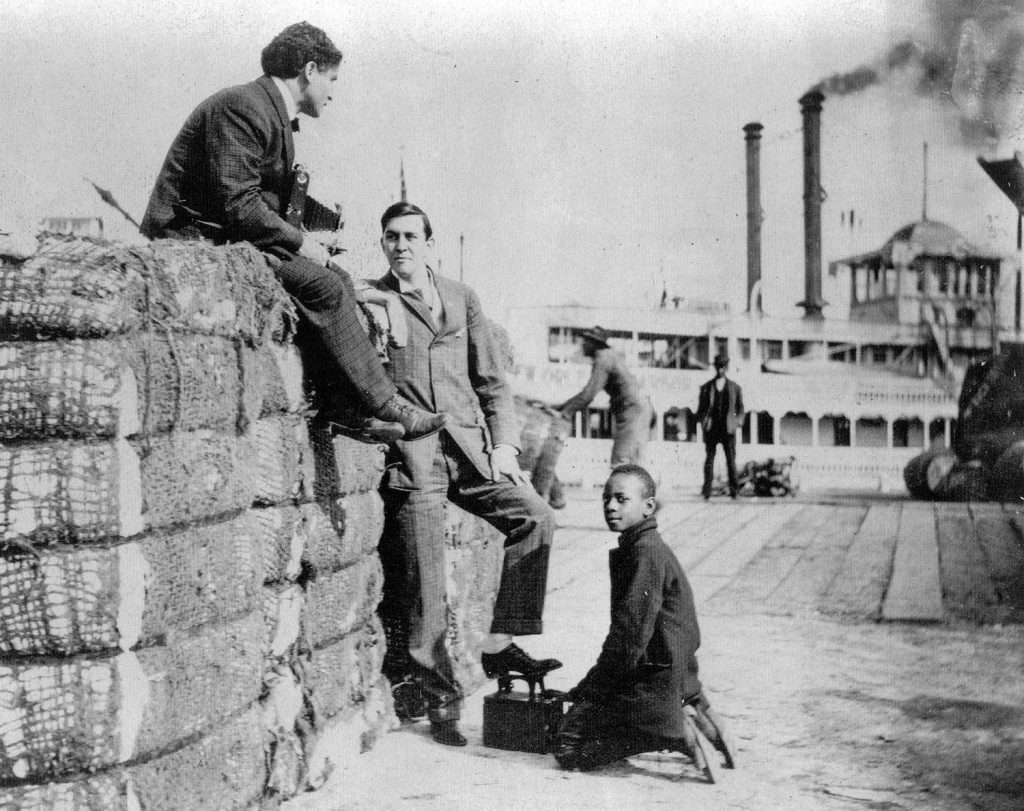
(734, 411)
(648, 662)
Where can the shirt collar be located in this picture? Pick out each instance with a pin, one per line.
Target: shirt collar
(290, 104)
(409, 287)
(634, 532)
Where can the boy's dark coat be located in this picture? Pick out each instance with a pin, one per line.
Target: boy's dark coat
(648, 662)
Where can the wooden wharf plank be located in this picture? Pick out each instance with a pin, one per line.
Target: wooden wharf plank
(859, 587)
(914, 592)
(741, 545)
(695, 541)
(1004, 555)
(803, 589)
(967, 590)
(674, 515)
(747, 591)
(716, 573)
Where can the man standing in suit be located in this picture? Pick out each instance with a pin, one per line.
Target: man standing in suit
(452, 363)
(720, 413)
(228, 177)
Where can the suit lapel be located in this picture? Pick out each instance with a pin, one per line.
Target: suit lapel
(416, 305)
(282, 114)
(451, 314)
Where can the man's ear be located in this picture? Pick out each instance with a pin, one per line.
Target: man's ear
(307, 71)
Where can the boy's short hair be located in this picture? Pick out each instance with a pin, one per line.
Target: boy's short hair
(648, 488)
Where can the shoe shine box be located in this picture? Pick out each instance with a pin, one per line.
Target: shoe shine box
(521, 722)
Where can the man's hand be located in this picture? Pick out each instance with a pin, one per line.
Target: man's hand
(314, 251)
(398, 330)
(504, 462)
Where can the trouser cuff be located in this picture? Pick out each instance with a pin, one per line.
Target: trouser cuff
(517, 627)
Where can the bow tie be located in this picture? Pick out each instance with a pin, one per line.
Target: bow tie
(295, 125)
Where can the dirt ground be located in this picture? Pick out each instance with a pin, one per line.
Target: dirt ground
(827, 714)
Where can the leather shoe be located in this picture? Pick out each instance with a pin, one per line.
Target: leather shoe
(514, 659)
(366, 429)
(447, 732)
(416, 422)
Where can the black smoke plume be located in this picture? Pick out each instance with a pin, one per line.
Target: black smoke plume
(970, 55)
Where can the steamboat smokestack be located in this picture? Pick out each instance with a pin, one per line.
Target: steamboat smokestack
(754, 214)
(810, 104)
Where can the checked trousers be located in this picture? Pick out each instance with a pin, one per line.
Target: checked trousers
(326, 301)
(416, 576)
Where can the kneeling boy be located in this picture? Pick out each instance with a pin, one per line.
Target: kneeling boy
(632, 700)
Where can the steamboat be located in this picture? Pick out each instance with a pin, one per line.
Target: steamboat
(851, 399)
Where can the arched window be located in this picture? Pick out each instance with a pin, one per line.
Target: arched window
(870, 432)
(834, 431)
(908, 432)
(795, 429)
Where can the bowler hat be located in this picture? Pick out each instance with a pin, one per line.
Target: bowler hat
(721, 359)
(597, 335)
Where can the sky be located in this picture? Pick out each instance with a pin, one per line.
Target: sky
(586, 151)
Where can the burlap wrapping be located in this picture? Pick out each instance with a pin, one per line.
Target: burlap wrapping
(312, 535)
(305, 748)
(358, 520)
(82, 714)
(272, 373)
(283, 604)
(84, 288)
(77, 492)
(338, 602)
(72, 600)
(282, 460)
(143, 385)
(474, 550)
(281, 536)
(222, 769)
(342, 673)
(288, 730)
(344, 465)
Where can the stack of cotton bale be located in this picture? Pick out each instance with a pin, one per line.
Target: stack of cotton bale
(131, 628)
(150, 428)
(325, 698)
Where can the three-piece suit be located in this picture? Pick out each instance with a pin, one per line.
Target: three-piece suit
(633, 696)
(452, 364)
(720, 414)
(228, 176)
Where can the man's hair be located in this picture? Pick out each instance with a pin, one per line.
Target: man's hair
(648, 489)
(404, 209)
(290, 51)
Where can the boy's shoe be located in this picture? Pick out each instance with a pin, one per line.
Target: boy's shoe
(447, 732)
(416, 422)
(514, 659)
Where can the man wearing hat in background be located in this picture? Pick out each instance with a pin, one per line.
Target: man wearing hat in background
(632, 412)
(720, 413)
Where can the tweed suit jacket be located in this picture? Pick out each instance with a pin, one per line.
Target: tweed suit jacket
(231, 162)
(454, 367)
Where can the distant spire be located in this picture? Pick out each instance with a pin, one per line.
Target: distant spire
(401, 170)
(924, 195)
